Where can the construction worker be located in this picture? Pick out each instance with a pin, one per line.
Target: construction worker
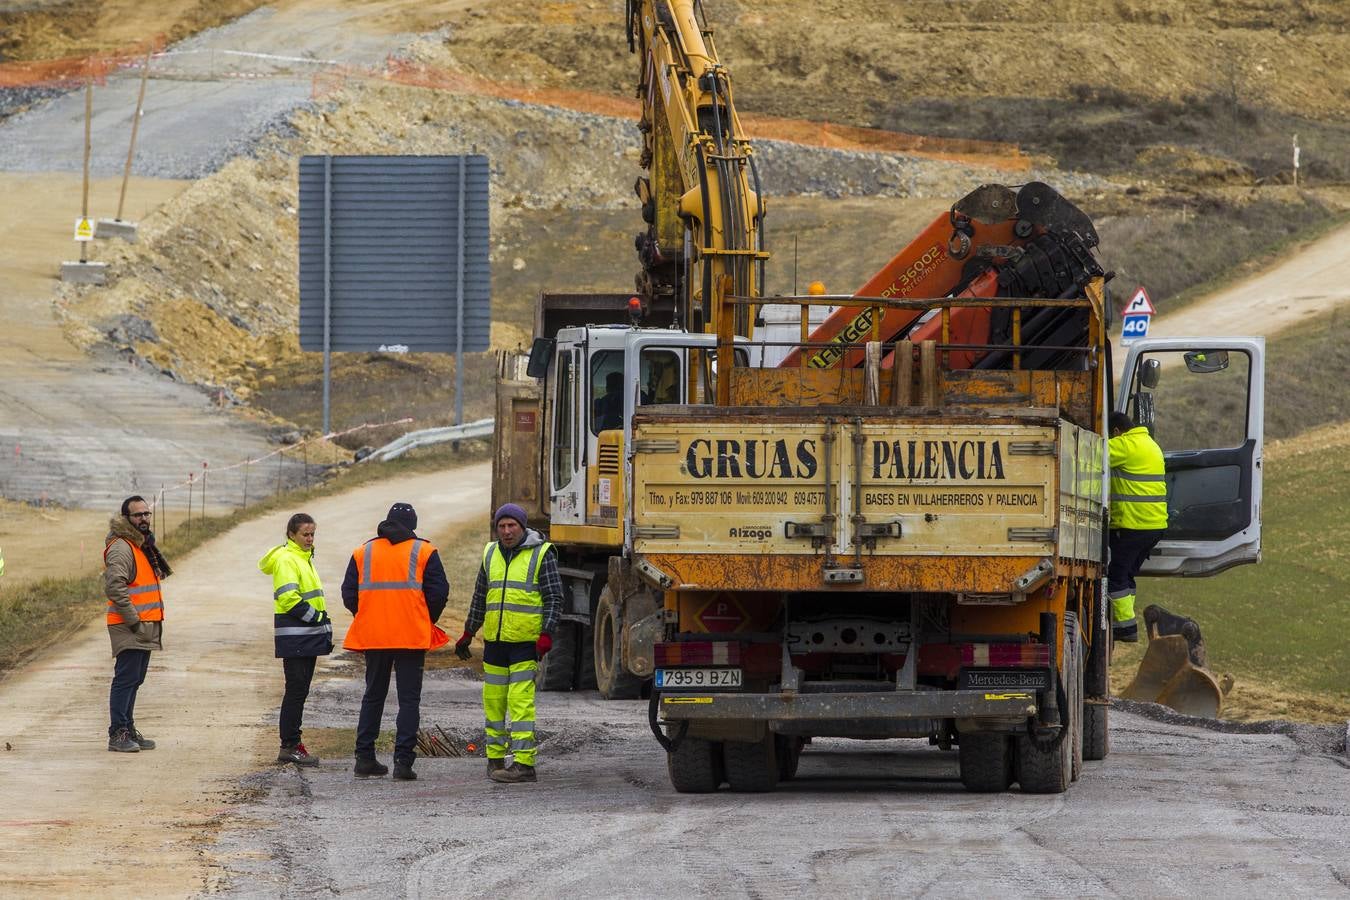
(1138, 516)
(301, 627)
(132, 570)
(396, 588)
(516, 601)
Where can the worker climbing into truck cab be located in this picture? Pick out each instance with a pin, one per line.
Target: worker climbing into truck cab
(1138, 516)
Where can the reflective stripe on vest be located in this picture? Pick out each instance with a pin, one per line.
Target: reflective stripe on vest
(391, 612)
(143, 591)
(515, 606)
(1138, 482)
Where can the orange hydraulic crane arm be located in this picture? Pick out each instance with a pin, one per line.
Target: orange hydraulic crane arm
(700, 197)
(993, 242)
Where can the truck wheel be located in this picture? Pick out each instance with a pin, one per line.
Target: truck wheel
(751, 767)
(614, 681)
(586, 659)
(789, 751)
(986, 762)
(1047, 768)
(558, 668)
(1096, 738)
(694, 766)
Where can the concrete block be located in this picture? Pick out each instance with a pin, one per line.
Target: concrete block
(115, 228)
(77, 272)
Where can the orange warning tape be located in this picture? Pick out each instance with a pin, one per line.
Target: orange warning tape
(834, 136)
(73, 70)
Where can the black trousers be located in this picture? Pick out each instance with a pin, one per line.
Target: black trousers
(128, 676)
(1129, 549)
(406, 666)
(299, 673)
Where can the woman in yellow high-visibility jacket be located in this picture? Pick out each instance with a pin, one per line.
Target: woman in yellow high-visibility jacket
(301, 626)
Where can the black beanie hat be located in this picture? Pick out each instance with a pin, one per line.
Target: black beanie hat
(403, 514)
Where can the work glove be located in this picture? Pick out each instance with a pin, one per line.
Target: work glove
(462, 646)
(543, 645)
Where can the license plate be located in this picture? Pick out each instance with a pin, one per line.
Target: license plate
(668, 679)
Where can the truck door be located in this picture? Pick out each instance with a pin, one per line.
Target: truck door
(1203, 401)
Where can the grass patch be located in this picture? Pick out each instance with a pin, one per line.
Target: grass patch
(38, 614)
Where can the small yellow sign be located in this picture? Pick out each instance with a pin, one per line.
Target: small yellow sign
(687, 699)
(1007, 696)
(84, 229)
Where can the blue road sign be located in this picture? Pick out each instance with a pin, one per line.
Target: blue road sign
(1134, 327)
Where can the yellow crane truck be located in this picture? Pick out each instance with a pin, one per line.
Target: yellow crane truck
(900, 529)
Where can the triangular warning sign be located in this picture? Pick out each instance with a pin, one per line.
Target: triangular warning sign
(84, 230)
(1139, 304)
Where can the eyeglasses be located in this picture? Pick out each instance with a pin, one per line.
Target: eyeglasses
(144, 515)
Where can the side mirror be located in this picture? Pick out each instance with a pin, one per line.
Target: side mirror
(1150, 370)
(1205, 362)
(541, 353)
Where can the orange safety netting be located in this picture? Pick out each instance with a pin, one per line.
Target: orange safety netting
(73, 70)
(798, 131)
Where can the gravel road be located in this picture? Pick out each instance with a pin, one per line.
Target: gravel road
(76, 819)
(85, 432)
(1173, 811)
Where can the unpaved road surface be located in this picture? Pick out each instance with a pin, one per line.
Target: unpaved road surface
(1173, 811)
(1309, 285)
(86, 432)
(75, 818)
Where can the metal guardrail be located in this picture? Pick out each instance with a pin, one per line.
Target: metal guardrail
(428, 436)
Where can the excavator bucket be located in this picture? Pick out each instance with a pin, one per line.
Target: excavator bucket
(1173, 670)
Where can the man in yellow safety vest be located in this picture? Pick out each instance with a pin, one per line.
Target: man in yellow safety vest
(517, 600)
(1138, 516)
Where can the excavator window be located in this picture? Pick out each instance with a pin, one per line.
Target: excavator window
(564, 421)
(606, 392)
(660, 378)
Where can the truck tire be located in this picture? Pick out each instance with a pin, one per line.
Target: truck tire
(613, 680)
(1047, 768)
(558, 667)
(789, 751)
(986, 762)
(586, 659)
(1096, 738)
(694, 766)
(751, 768)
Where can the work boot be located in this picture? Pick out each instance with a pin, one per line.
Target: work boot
(495, 765)
(141, 740)
(298, 755)
(516, 773)
(121, 741)
(1126, 632)
(370, 768)
(404, 772)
